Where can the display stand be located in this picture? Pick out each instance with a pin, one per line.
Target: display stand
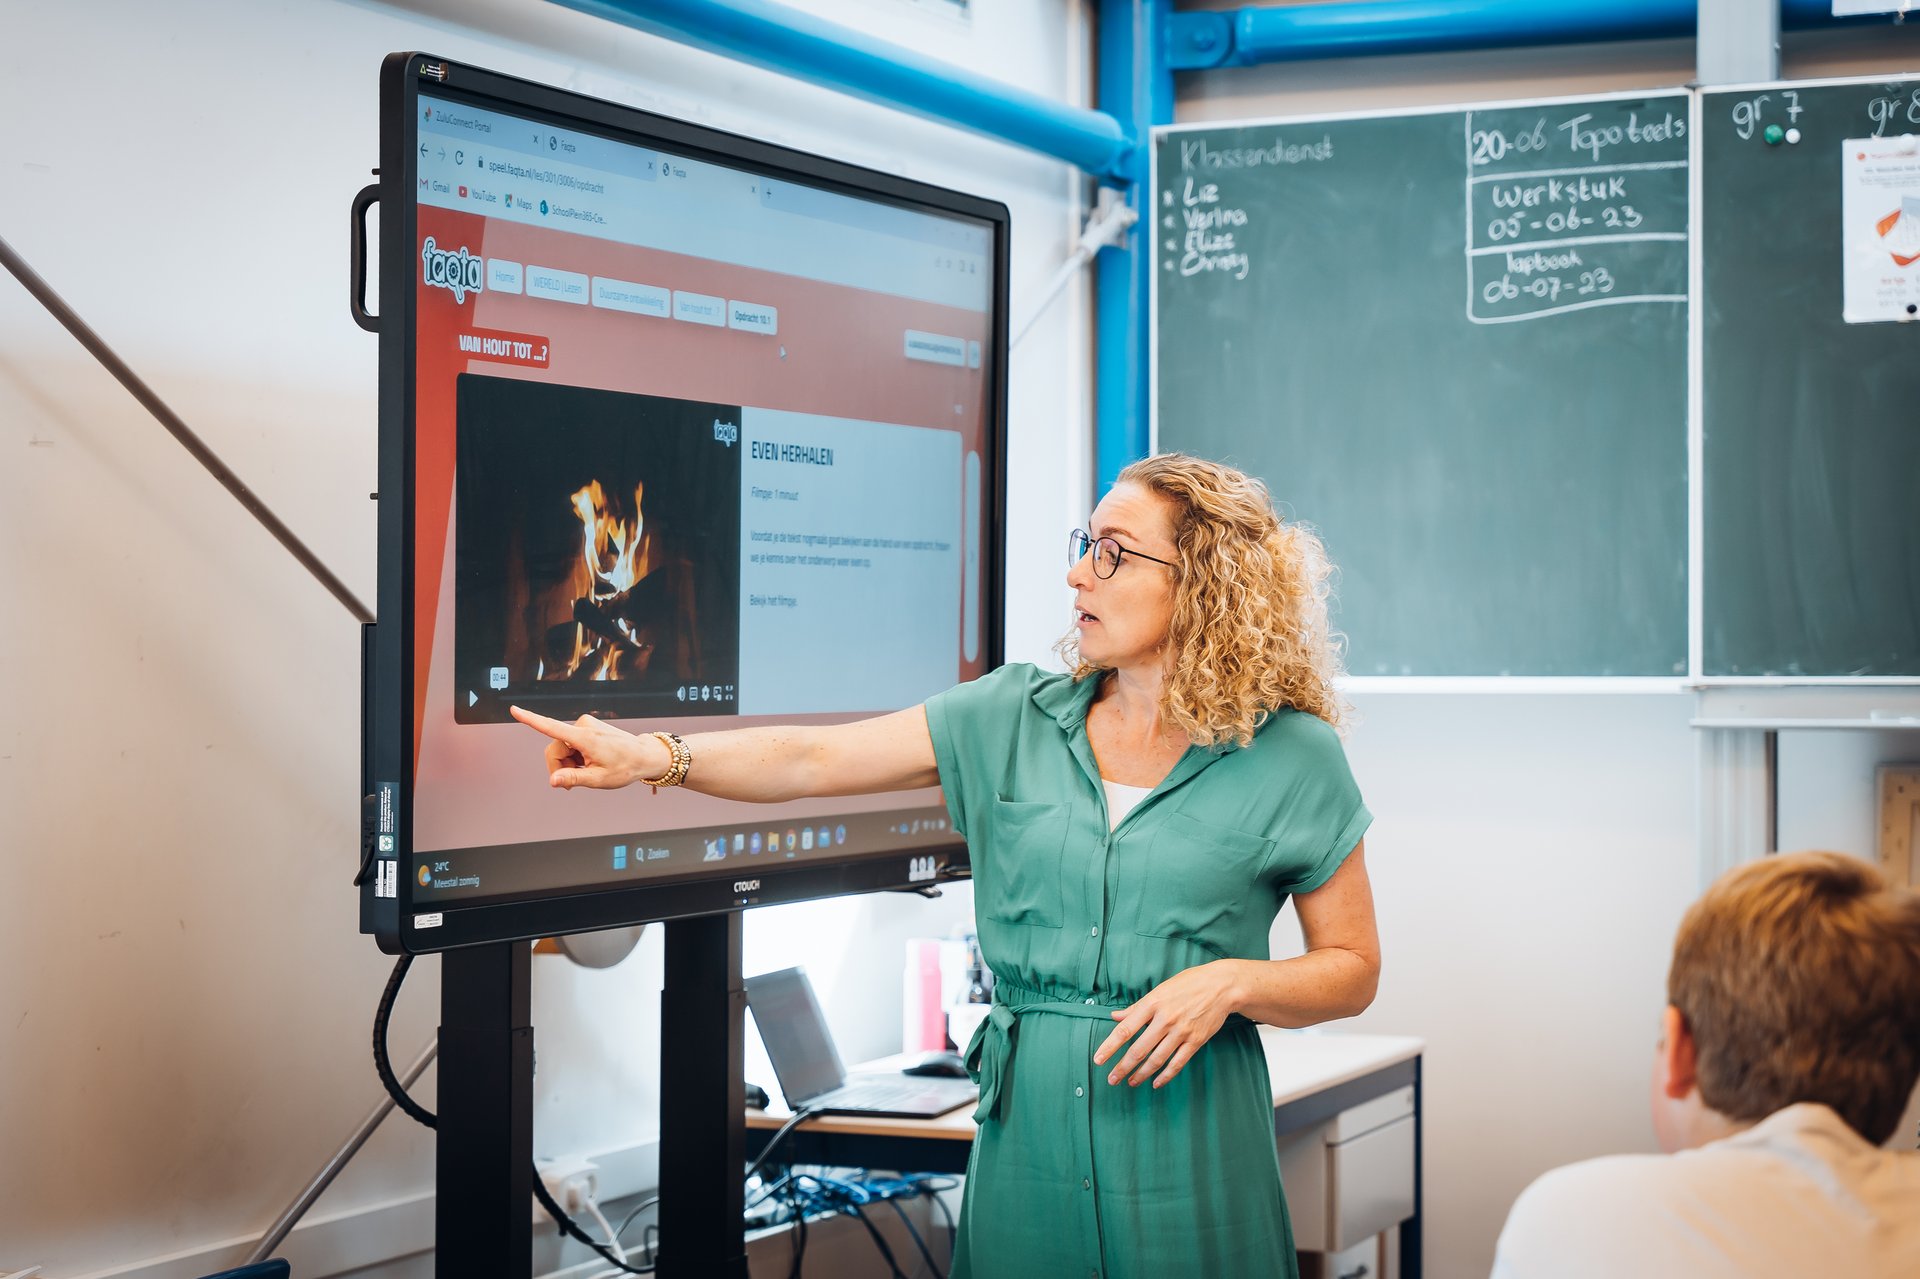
(482, 1216)
(703, 1108)
(482, 1212)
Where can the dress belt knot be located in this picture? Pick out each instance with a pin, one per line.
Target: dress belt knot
(990, 1051)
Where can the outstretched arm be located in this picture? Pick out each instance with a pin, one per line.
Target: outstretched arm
(764, 765)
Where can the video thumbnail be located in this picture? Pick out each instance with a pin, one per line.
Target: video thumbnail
(596, 553)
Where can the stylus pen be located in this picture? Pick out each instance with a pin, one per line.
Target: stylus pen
(96, 346)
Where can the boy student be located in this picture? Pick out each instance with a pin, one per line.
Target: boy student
(1790, 1047)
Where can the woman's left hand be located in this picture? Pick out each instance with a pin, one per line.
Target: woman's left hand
(1170, 1024)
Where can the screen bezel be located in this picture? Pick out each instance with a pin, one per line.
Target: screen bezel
(387, 908)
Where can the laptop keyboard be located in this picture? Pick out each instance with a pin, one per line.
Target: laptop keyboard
(883, 1095)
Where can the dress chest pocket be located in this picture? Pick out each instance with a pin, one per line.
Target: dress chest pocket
(1201, 883)
(1023, 878)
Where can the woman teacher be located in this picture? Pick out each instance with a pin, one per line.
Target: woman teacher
(1134, 828)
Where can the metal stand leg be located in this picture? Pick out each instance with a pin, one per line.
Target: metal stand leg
(483, 1214)
(1412, 1246)
(703, 1118)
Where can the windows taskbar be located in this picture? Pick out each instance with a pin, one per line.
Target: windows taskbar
(471, 876)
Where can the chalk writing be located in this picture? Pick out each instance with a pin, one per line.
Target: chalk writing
(1575, 207)
(1206, 233)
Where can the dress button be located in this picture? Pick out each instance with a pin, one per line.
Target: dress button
(1079, 1092)
(1095, 932)
(1089, 1000)
(1086, 1184)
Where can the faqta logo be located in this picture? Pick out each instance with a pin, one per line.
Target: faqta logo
(455, 270)
(725, 432)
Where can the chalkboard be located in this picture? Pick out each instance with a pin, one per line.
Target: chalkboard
(1455, 342)
(1810, 424)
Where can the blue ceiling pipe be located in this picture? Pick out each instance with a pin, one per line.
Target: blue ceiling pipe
(1366, 28)
(784, 39)
(1136, 85)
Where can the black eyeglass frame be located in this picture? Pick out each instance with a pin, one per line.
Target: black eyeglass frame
(1080, 542)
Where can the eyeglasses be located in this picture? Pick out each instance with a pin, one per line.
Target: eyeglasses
(1106, 552)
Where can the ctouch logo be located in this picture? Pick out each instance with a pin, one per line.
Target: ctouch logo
(746, 885)
(451, 269)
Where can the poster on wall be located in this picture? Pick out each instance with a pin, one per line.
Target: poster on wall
(1880, 221)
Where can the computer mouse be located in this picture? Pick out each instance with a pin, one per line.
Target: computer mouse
(939, 1064)
(757, 1098)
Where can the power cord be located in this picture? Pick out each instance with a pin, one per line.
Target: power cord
(830, 1195)
(799, 1228)
(381, 1064)
(384, 1068)
(804, 1194)
(649, 1236)
(933, 1187)
(773, 1143)
(613, 1240)
(638, 1208)
(933, 1266)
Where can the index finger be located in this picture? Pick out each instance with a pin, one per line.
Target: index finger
(1132, 1021)
(558, 731)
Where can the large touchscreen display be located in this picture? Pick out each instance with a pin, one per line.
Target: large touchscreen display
(694, 447)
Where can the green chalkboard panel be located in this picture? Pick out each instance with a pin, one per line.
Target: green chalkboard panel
(1456, 343)
(1811, 424)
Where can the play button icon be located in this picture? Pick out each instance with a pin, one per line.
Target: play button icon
(472, 697)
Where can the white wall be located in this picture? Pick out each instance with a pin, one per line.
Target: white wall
(184, 998)
(1532, 855)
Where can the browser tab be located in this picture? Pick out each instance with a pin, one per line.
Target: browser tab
(698, 308)
(936, 349)
(556, 285)
(504, 276)
(753, 318)
(624, 295)
(477, 160)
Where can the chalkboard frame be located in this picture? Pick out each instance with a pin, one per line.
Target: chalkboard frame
(1695, 678)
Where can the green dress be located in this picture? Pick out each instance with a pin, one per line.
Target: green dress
(1070, 1175)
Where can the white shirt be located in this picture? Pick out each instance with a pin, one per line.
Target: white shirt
(1799, 1195)
(1121, 800)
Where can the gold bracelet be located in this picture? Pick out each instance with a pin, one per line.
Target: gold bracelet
(677, 770)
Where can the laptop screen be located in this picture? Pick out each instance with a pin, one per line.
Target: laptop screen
(795, 1034)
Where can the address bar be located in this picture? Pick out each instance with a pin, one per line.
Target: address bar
(545, 175)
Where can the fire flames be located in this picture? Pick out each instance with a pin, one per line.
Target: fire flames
(615, 553)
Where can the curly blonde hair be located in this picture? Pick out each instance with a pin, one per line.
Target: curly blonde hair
(1249, 633)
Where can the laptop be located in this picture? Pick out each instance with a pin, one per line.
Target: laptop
(809, 1067)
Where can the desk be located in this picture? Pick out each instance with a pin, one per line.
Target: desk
(1315, 1077)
